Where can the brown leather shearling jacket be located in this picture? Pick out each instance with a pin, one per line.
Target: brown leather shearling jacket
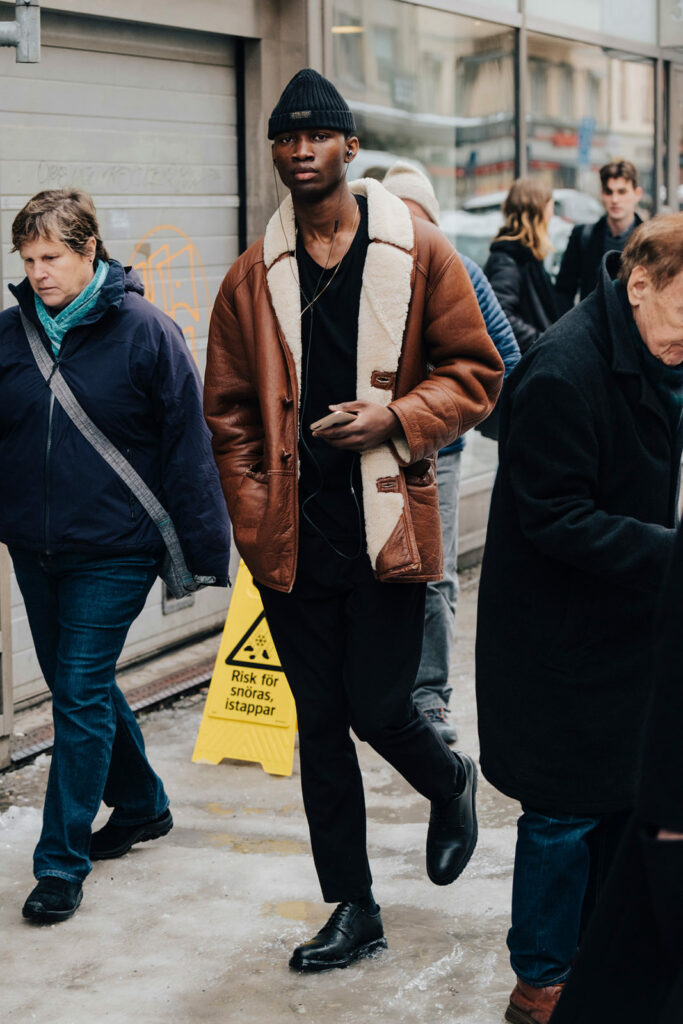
(423, 351)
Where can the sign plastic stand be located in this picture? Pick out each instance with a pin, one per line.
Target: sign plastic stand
(250, 713)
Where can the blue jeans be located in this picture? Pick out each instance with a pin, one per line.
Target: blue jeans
(80, 609)
(561, 864)
(432, 689)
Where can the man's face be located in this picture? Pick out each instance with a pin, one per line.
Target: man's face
(658, 315)
(311, 162)
(620, 199)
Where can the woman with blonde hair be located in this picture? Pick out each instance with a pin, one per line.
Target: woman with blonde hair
(515, 264)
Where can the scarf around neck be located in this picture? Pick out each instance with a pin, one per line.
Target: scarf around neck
(57, 326)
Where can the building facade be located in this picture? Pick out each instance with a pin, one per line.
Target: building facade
(160, 111)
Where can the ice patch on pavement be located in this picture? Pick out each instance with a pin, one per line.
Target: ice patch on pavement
(20, 819)
(487, 968)
(428, 976)
(42, 761)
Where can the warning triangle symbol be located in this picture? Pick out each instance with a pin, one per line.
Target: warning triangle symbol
(256, 648)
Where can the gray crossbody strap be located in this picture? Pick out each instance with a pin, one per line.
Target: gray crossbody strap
(111, 455)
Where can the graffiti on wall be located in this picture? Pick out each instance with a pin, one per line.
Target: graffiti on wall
(174, 278)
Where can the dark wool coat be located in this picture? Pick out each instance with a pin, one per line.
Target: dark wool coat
(630, 968)
(579, 536)
(523, 289)
(581, 261)
(130, 368)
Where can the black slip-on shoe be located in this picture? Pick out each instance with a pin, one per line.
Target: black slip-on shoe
(115, 840)
(452, 834)
(350, 934)
(53, 899)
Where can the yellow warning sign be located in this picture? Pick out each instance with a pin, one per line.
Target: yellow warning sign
(250, 713)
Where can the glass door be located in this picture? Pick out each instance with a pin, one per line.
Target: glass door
(677, 140)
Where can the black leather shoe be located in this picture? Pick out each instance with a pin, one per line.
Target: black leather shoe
(349, 935)
(53, 899)
(115, 840)
(452, 834)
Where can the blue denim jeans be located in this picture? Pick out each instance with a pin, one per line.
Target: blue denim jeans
(80, 609)
(561, 864)
(432, 688)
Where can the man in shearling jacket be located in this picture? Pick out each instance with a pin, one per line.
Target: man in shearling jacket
(347, 305)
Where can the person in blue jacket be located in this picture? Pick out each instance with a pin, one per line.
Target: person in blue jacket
(85, 553)
(432, 691)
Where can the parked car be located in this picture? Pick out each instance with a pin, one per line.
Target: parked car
(473, 227)
(471, 233)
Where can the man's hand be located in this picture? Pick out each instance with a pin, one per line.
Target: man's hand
(666, 835)
(372, 425)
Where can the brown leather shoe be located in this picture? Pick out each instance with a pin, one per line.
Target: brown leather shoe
(529, 1005)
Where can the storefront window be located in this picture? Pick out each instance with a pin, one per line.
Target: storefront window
(677, 95)
(438, 89)
(628, 19)
(671, 23)
(585, 108)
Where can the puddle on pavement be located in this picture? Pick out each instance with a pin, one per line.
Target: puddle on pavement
(219, 809)
(243, 844)
(399, 815)
(298, 910)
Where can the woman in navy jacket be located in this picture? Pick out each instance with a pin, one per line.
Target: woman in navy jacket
(85, 553)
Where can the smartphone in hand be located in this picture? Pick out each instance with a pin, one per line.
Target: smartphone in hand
(333, 419)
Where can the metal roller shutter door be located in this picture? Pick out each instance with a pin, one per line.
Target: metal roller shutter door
(145, 120)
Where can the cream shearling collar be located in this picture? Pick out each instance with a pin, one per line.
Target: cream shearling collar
(384, 302)
(388, 221)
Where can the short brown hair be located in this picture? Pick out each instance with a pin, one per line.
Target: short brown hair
(619, 169)
(524, 212)
(656, 245)
(63, 214)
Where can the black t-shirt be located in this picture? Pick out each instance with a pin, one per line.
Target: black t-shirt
(329, 484)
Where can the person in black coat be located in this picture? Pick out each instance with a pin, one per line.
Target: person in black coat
(588, 243)
(515, 264)
(630, 967)
(580, 533)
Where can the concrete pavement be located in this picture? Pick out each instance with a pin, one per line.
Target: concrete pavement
(197, 928)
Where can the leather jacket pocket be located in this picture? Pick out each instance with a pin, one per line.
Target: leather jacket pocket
(257, 472)
(252, 498)
(421, 474)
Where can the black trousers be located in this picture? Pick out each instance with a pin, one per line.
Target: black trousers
(350, 647)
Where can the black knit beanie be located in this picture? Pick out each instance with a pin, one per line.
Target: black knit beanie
(310, 101)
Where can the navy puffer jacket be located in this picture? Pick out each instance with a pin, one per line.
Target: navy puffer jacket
(129, 366)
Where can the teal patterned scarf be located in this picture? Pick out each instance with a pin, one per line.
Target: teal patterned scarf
(57, 326)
